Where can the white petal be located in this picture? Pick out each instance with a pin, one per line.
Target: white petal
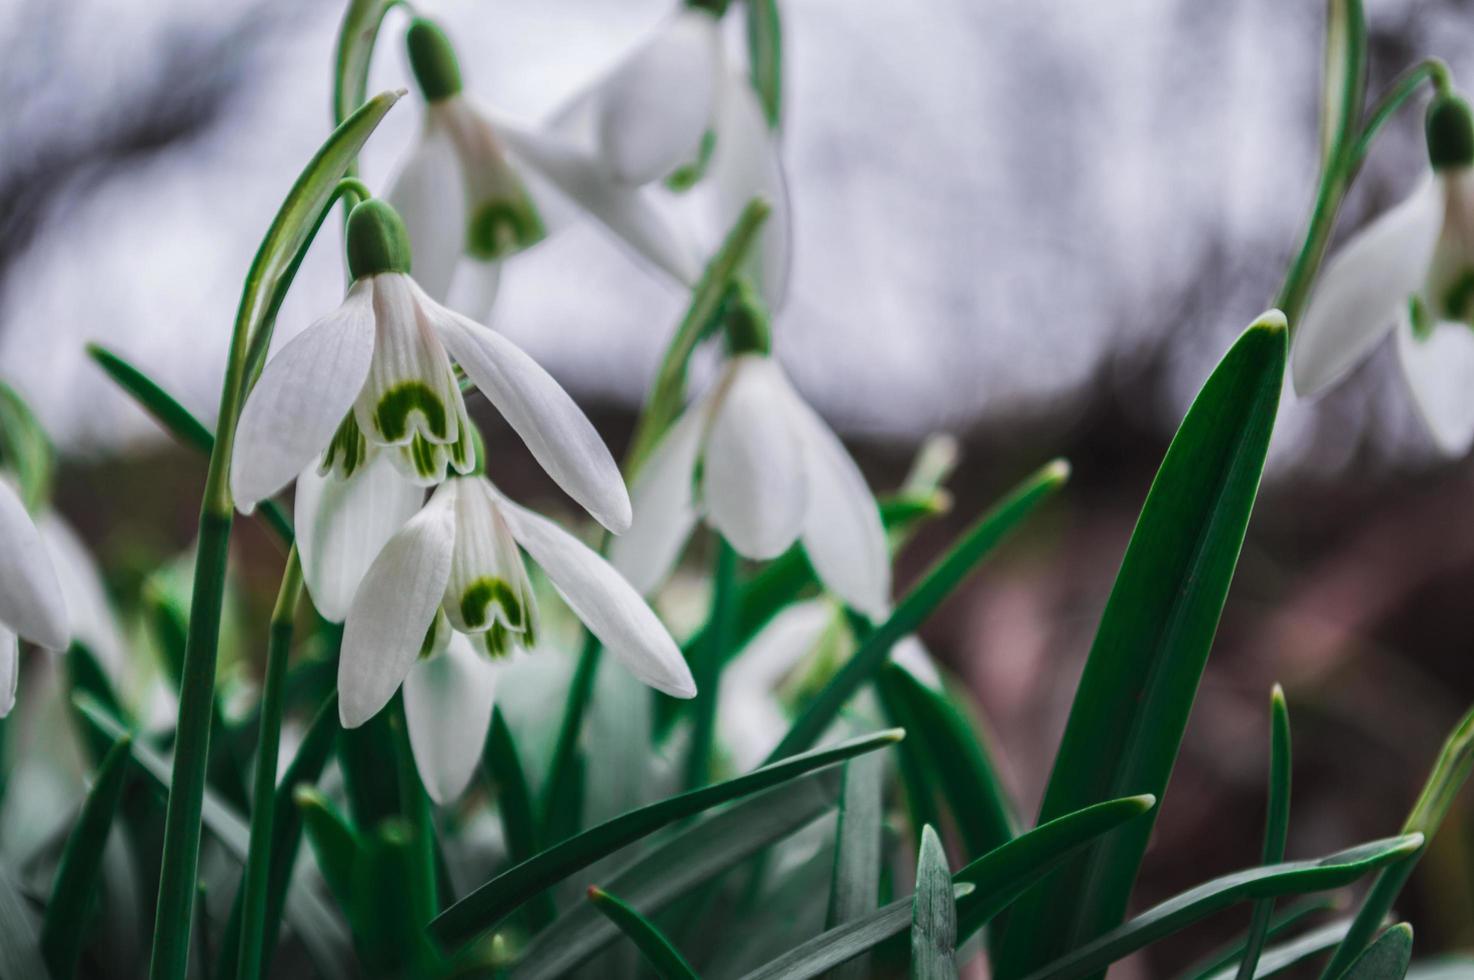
(628, 212)
(604, 601)
(31, 602)
(746, 163)
(474, 289)
(428, 192)
(487, 561)
(909, 652)
(663, 496)
(393, 610)
(752, 478)
(653, 110)
(343, 524)
(448, 700)
(1363, 288)
(301, 397)
(748, 716)
(842, 532)
(1440, 374)
(90, 616)
(555, 429)
(9, 670)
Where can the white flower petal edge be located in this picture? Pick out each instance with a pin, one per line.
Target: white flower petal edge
(31, 602)
(448, 700)
(475, 287)
(748, 715)
(90, 616)
(1440, 374)
(392, 611)
(555, 429)
(607, 604)
(301, 397)
(1363, 288)
(752, 482)
(428, 192)
(9, 670)
(664, 500)
(343, 524)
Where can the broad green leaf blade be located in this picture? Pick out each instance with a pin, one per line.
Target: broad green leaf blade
(20, 950)
(1290, 878)
(1385, 959)
(63, 928)
(481, 910)
(1279, 958)
(355, 49)
(854, 887)
(1276, 824)
(765, 56)
(1142, 674)
(918, 603)
(664, 958)
(1225, 958)
(933, 914)
(982, 888)
(334, 843)
(691, 858)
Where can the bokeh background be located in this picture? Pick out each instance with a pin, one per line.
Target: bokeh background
(1033, 224)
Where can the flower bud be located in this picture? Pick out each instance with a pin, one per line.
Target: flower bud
(433, 60)
(746, 321)
(1450, 132)
(377, 240)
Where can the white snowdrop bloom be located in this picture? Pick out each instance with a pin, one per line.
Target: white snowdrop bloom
(376, 374)
(1411, 271)
(752, 458)
(463, 189)
(456, 567)
(90, 616)
(31, 603)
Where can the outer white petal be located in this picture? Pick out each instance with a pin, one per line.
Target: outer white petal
(652, 111)
(752, 480)
(393, 610)
(608, 606)
(664, 502)
(89, 613)
(301, 397)
(448, 701)
(1440, 373)
(9, 670)
(628, 212)
(343, 524)
(746, 163)
(475, 287)
(429, 194)
(842, 532)
(31, 602)
(749, 717)
(555, 429)
(1363, 288)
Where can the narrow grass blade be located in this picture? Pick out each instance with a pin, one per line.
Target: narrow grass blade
(918, 603)
(664, 958)
(933, 913)
(765, 56)
(1225, 958)
(708, 662)
(1279, 958)
(334, 842)
(1290, 878)
(64, 927)
(503, 764)
(562, 809)
(1276, 825)
(1387, 958)
(854, 886)
(481, 910)
(1142, 674)
(916, 772)
(690, 858)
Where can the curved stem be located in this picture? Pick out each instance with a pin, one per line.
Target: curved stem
(1405, 87)
(258, 855)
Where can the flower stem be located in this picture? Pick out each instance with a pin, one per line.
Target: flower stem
(1431, 70)
(258, 855)
(560, 799)
(709, 664)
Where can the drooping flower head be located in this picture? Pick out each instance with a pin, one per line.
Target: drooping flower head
(1410, 271)
(755, 461)
(375, 376)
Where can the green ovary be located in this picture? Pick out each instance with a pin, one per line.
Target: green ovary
(391, 417)
(1458, 299)
(499, 228)
(476, 603)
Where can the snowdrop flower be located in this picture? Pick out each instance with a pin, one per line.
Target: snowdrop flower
(464, 196)
(753, 459)
(376, 375)
(31, 604)
(1412, 272)
(455, 567)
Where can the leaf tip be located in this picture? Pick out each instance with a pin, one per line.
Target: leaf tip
(1271, 321)
(1057, 471)
(1143, 802)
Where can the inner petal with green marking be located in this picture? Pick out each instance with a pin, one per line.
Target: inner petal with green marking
(503, 226)
(488, 587)
(348, 451)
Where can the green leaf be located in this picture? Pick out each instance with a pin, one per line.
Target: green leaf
(1142, 674)
(1451, 967)
(916, 773)
(20, 952)
(355, 49)
(765, 56)
(1276, 824)
(982, 888)
(1385, 959)
(933, 913)
(334, 843)
(25, 450)
(1225, 958)
(707, 663)
(563, 794)
(64, 927)
(854, 885)
(485, 907)
(1343, 82)
(664, 958)
(1279, 958)
(918, 603)
(1290, 878)
(692, 857)
(382, 910)
(503, 765)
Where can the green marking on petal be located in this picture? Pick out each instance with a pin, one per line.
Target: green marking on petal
(1418, 316)
(499, 228)
(478, 597)
(425, 456)
(688, 175)
(391, 417)
(348, 449)
(428, 646)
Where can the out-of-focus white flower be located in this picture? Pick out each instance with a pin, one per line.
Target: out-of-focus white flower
(376, 374)
(90, 616)
(1412, 272)
(455, 567)
(31, 603)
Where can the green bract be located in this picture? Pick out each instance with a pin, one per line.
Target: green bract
(1450, 133)
(378, 243)
(433, 60)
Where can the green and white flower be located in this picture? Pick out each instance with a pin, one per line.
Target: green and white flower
(456, 567)
(1411, 272)
(31, 603)
(376, 375)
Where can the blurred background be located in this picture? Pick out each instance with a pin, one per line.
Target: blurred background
(1033, 225)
